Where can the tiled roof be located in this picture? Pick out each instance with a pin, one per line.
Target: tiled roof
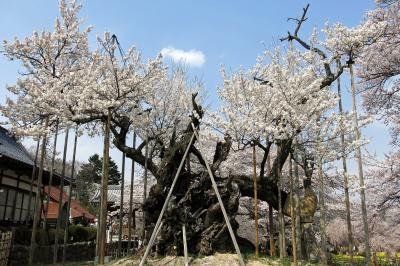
(55, 194)
(76, 209)
(10, 147)
(114, 194)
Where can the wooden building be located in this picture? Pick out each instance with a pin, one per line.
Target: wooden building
(17, 190)
(78, 214)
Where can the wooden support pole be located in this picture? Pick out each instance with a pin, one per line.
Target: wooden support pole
(53, 159)
(130, 214)
(155, 230)
(38, 199)
(281, 219)
(60, 198)
(121, 207)
(215, 187)
(324, 259)
(292, 212)
(102, 226)
(360, 170)
(272, 250)
(146, 154)
(297, 207)
(29, 213)
(71, 183)
(185, 250)
(255, 200)
(345, 177)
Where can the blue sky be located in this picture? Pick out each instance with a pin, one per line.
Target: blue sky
(232, 33)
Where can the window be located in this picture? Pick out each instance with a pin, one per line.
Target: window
(14, 204)
(18, 207)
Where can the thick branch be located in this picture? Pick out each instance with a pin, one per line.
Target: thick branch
(132, 153)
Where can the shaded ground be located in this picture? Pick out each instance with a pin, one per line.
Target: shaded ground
(216, 260)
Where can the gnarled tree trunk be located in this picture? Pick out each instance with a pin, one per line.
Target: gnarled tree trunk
(194, 202)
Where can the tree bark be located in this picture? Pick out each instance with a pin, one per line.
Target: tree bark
(194, 200)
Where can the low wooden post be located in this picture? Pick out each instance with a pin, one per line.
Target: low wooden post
(185, 250)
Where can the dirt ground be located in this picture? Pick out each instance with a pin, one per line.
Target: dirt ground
(216, 260)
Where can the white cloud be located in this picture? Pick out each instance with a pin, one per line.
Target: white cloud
(192, 57)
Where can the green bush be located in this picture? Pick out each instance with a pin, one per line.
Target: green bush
(22, 236)
(78, 233)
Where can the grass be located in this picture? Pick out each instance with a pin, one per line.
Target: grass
(337, 260)
(287, 261)
(381, 257)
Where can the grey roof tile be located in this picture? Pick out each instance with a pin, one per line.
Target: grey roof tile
(10, 147)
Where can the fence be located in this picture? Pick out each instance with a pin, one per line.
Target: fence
(112, 248)
(5, 247)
